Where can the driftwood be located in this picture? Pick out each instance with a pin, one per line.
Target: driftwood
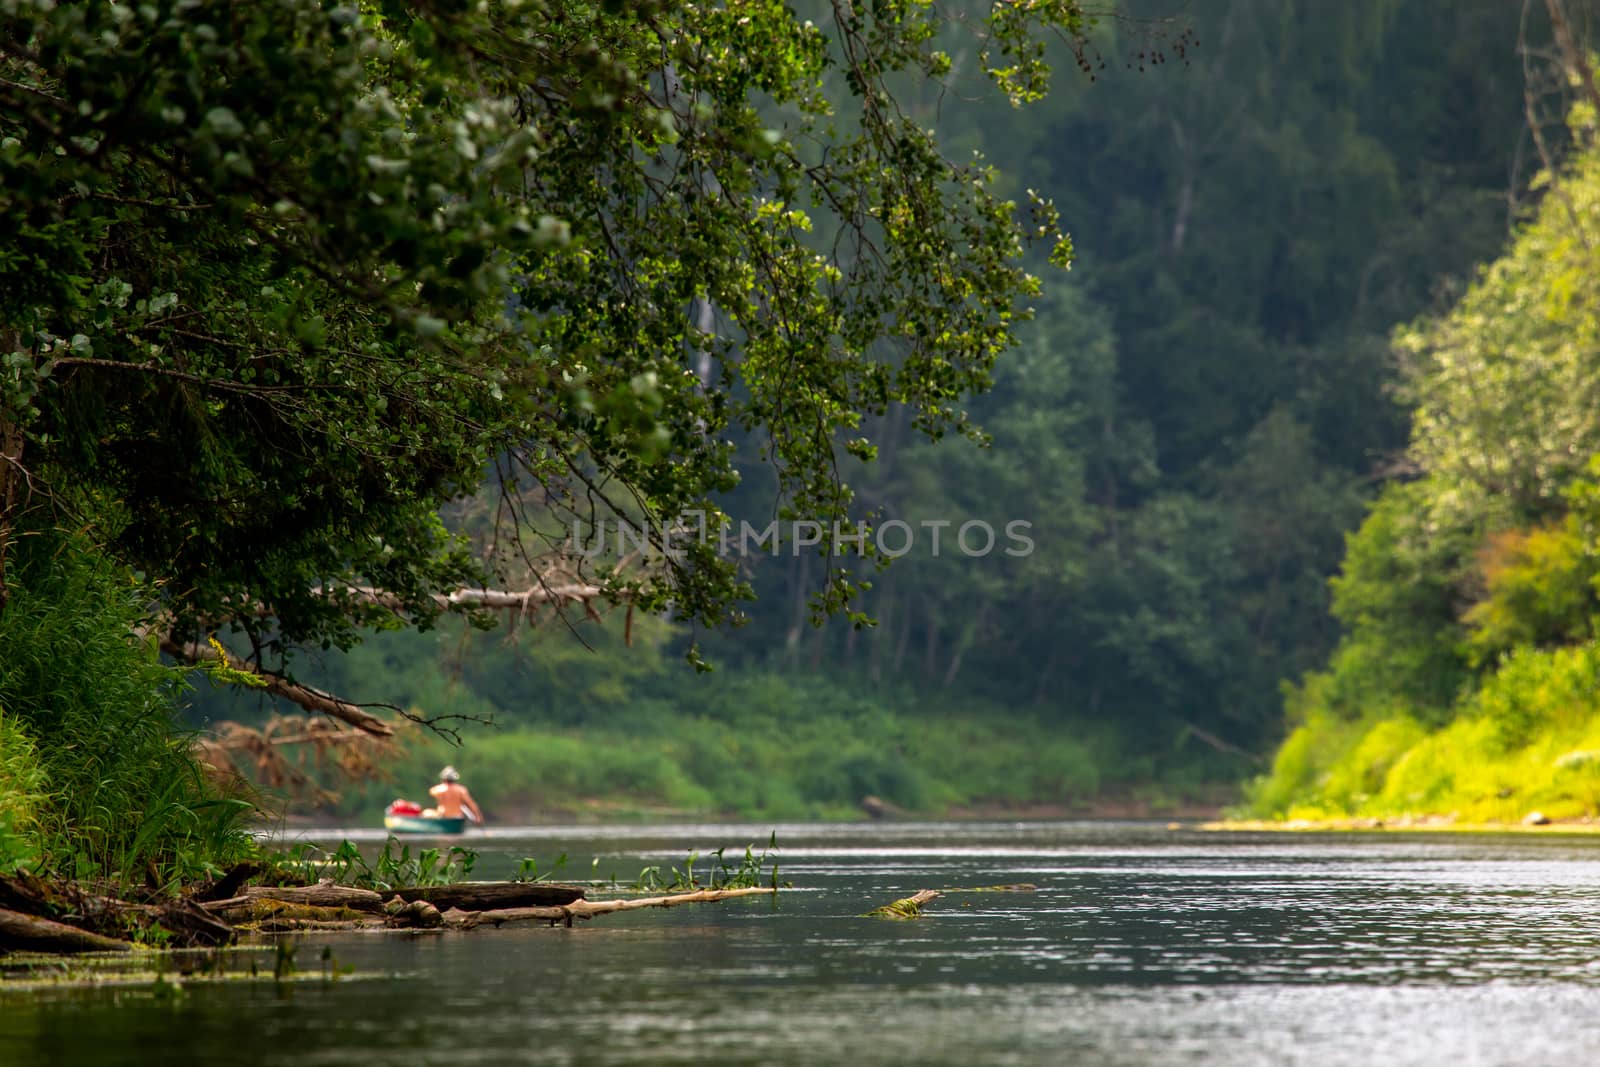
(228, 885)
(322, 895)
(907, 907)
(323, 907)
(467, 896)
(486, 896)
(911, 907)
(189, 924)
(25, 893)
(273, 908)
(588, 909)
(29, 933)
(418, 913)
(183, 924)
(288, 924)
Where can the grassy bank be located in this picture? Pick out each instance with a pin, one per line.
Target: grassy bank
(806, 751)
(1526, 741)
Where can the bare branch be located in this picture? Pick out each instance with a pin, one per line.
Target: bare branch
(277, 685)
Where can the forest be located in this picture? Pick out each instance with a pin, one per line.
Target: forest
(1273, 324)
(1199, 415)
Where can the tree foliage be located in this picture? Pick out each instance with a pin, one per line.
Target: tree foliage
(1469, 594)
(277, 280)
(1504, 386)
(1202, 410)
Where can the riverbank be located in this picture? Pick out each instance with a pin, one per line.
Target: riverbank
(1405, 824)
(1199, 805)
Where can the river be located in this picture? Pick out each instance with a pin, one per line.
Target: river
(1142, 946)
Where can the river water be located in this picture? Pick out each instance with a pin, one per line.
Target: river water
(1141, 946)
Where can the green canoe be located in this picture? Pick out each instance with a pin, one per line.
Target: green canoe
(423, 824)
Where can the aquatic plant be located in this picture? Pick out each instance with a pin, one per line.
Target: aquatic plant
(751, 872)
(395, 867)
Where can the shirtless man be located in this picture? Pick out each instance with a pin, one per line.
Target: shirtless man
(451, 796)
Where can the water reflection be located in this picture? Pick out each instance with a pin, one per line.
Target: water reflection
(1141, 946)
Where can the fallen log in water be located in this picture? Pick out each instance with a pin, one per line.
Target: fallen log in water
(255, 910)
(325, 907)
(907, 907)
(488, 896)
(588, 909)
(321, 895)
(188, 924)
(468, 896)
(911, 907)
(29, 933)
(325, 894)
(288, 924)
(179, 923)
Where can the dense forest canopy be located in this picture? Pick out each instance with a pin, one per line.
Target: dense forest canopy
(1202, 409)
(281, 279)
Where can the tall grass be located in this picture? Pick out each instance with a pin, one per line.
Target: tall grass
(90, 728)
(21, 796)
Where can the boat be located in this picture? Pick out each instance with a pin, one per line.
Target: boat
(408, 817)
(423, 824)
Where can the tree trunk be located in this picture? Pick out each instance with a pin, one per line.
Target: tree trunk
(800, 573)
(969, 637)
(905, 640)
(11, 481)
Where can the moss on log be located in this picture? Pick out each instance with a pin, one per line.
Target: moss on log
(907, 907)
(262, 909)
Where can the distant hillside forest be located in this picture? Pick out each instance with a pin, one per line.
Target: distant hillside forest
(1280, 219)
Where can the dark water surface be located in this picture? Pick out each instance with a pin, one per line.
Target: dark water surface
(1142, 946)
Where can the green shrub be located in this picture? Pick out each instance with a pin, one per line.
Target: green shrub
(125, 798)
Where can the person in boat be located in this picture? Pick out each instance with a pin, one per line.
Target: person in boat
(451, 798)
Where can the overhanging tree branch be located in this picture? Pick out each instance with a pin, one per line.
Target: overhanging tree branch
(279, 686)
